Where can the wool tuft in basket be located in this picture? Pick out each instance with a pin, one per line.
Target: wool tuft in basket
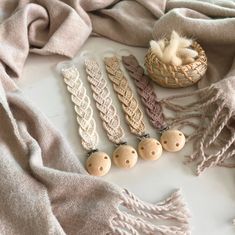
(167, 75)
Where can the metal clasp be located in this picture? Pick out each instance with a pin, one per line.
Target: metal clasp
(144, 136)
(120, 143)
(166, 128)
(92, 151)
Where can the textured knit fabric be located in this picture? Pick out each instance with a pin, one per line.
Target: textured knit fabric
(43, 187)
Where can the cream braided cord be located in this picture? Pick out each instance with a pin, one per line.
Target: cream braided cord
(82, 107)
(104, 104)
(133, 114)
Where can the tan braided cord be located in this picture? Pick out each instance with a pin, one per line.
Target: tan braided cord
(104, 103)
(82, 107)
(130, 106)
(168, 75)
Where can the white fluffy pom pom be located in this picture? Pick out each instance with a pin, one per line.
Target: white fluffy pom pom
(171, 48)
(184, 42)
(176, 52)
(187, 52)
(156, 49)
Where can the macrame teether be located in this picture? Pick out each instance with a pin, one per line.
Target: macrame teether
(171, 140)
(98, 163)
(148, 148)
(109, 116)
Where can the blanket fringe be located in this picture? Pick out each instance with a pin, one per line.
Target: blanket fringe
(210, 147)
(142, 219)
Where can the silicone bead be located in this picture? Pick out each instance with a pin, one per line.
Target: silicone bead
(150, 149)
(98, 164)
(172, 140)
(125, 156)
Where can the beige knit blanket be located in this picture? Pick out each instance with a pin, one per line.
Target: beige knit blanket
(43, 187)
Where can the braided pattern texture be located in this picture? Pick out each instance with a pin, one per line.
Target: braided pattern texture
(101, 95)
(145, 90)
(82, 107)
(133, 114)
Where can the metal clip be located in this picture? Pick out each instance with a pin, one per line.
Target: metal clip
(92, 151)
(144, 136)
(121, 143)
(166, 128)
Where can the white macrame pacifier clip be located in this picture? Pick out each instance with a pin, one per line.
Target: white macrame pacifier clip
(98, 163)
(148, 148)
(124, 156)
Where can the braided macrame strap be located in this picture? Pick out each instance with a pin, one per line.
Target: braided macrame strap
(146, 92)
(133, 114)
(171, 140)
(104, 103)
(82, 107)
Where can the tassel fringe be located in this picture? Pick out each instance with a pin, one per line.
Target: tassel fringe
(214, 136)
(169, 217)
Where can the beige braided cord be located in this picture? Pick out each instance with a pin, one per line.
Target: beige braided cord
(133, 114)
(104, 103)
(82, 107)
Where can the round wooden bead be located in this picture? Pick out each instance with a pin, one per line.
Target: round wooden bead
(172, 140)
(98, 164)
(125, 156)
(150, 149)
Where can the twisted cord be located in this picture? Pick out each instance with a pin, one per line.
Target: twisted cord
(171, 208)
(104, 104)
(82, 107)
(133, 114)
(146, 92)
(210, 127)
(193, 106)
(146, 218)
(227, 156)
(216, 158)
(218, 130)
(118, 227)
(146, 227)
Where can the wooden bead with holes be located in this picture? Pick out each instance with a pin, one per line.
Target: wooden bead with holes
(172, 140)
(150, 149)
(98, 164)
(125, 156)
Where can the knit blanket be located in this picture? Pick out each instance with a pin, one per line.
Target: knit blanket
(43, 187)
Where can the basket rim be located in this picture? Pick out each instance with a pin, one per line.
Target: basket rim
(199, 49)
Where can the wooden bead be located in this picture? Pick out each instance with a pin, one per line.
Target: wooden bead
(172, 140)
(150, 149)
(98, 164)
(125, 156)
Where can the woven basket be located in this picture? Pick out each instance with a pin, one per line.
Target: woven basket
(171, 76)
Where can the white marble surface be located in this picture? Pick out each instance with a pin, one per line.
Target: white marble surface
(210, 197)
